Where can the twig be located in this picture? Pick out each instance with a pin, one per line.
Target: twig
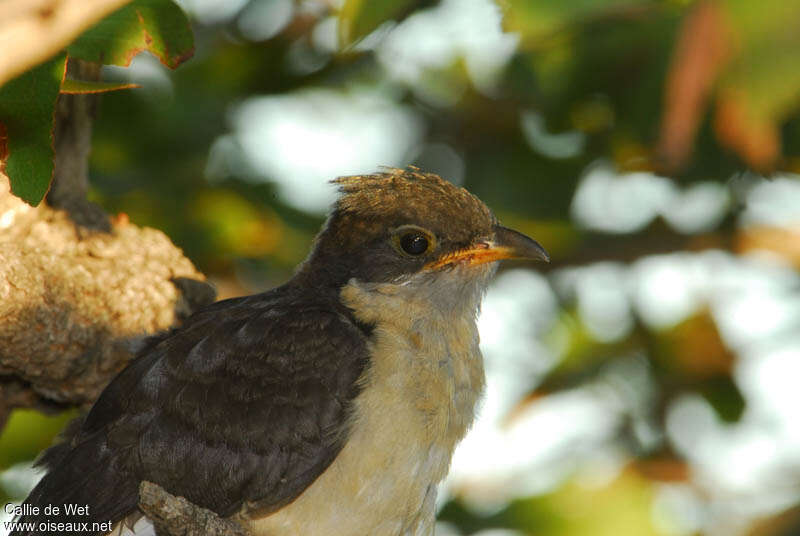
(175, 516)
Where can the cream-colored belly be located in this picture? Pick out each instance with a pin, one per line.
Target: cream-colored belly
(418, 400)
(362, 495)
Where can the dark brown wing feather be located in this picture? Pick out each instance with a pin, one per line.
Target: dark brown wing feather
(247, 403)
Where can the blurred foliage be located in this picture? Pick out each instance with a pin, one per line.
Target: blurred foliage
(577, 509)
(358, 18)
(27, 432)
(699, 91)
(27, 103)
(676, 60)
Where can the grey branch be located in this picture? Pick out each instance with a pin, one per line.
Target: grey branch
(175, 516)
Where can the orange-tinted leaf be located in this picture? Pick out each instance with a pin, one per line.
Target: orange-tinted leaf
(781, 240)
(761, 86)
(664, 469)
(696, 348)
(86, 86)
(755, 138)
(701, 51)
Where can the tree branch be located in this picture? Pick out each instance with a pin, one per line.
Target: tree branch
(656, 239)
(72, 139)
(175, 516)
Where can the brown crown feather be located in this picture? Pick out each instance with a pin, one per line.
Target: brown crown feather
(371, 203)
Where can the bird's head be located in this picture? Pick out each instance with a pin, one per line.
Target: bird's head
(412, 229)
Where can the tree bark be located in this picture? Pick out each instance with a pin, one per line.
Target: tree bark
(175, 516)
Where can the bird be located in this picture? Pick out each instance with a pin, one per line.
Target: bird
(330, 405)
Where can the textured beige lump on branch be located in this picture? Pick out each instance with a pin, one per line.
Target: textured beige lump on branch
(73, 300)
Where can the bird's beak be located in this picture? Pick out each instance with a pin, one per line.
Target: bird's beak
(504, 244)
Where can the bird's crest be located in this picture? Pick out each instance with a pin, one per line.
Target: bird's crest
(415, 194)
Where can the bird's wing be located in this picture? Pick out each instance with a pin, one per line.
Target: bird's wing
(245, 404)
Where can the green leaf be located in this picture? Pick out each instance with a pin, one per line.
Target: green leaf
(761, 89)
(725, 397)
(87, 86)
(358, 18)
(538, 22)
(27, 104)
(155, 26)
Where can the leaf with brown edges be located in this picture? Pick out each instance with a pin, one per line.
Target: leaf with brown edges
(155, 26)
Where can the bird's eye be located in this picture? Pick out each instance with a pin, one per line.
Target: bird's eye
(414, 243)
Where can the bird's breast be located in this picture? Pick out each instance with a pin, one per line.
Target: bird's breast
(425, 364)
(418, 399)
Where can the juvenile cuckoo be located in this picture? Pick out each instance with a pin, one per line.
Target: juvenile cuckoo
(330, 405)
